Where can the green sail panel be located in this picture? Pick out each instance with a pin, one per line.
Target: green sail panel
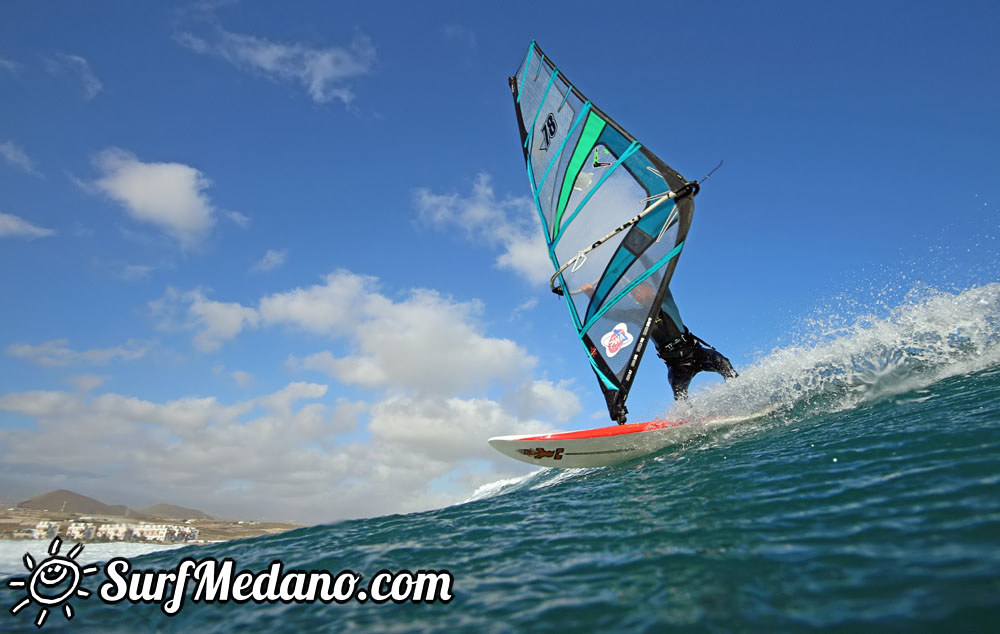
(584, 148)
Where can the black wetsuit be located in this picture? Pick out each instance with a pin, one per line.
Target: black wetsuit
(683, 352)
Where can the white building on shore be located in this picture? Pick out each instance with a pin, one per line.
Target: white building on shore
(45, 530)
(81, 530)
(118, 532)
(114, 532)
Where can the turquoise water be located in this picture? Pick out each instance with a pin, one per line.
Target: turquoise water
(868, 499)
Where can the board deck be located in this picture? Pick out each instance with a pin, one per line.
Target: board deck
(599, 447)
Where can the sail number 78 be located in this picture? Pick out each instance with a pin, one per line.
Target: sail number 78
(548, 130)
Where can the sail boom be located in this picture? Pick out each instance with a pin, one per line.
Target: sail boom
(613, 233)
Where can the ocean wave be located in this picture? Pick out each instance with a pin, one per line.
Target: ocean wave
(835, 365)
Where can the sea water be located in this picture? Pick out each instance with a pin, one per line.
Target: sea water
(866, 498)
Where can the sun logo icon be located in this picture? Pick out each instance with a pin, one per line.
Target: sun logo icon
(53, 581)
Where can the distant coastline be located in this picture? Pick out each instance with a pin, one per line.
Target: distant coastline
(22, 524)
(86, 520)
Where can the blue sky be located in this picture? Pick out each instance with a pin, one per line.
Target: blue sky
(277, 262)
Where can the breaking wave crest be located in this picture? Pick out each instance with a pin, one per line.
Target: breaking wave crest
(930, 336)
(539, 479)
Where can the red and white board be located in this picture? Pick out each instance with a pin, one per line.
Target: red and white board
(593, 447)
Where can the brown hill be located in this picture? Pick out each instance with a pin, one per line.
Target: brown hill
(63, 501)
(172, 512)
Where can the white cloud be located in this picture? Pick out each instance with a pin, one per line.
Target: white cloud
(57, 352)
(273, 259)
(79, 68)
(241, 378)
(14, 155)
(14, 227)
(274, 456)
(347, 414)
(10, 66)
(240, 220)
(210, 6)
(215, 322)
(424, 358)
(332, 308)
(419, 443)
(281, 401)
(132, 272)
(436, 430)
(544, 399)
(425, 342)
(169, 196)
(323, 72)
(238, 377)
(511, 223)
(523, 307)
(87, 382)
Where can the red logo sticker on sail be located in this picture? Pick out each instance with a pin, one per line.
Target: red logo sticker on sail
(617, 339)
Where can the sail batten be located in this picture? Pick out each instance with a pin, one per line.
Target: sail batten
(628, 289)
(605, 195)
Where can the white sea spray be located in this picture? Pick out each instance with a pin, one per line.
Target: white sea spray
(837, 365)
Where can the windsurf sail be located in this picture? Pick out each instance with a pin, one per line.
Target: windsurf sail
(615, 219)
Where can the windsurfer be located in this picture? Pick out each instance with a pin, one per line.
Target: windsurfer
(685, 354)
